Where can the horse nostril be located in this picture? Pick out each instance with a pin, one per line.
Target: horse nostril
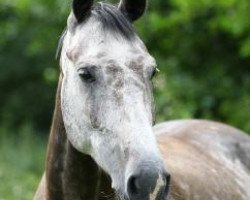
(139, 186)
(133, 186)
(168, 179)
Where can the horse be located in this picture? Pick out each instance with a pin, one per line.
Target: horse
(103, 143)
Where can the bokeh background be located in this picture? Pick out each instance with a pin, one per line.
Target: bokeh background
(202, 48)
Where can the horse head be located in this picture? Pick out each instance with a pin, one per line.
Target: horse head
(106, 96)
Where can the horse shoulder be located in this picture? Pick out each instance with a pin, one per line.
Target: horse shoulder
(41, 190)
(207, 160)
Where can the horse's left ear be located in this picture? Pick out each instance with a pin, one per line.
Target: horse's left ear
(81, 9)
(133, 9)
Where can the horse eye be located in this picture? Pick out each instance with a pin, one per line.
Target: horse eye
(154, 72)
(86, 74)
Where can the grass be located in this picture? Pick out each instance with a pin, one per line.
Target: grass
(22, 157)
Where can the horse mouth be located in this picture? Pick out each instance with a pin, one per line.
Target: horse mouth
(123, 197)
(162, 195)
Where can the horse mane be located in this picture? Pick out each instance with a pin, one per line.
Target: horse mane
(68, 172)
(112, 20)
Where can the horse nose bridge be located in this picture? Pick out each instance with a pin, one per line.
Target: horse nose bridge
(139, 141)
(137, 105)
(143, 139)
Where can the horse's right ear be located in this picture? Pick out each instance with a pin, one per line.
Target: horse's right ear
(81, 9)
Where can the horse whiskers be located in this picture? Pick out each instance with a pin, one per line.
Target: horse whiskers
(173, 195)
(121, 196)
(110, 196)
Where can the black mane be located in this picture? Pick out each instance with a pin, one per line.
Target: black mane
(112, 20)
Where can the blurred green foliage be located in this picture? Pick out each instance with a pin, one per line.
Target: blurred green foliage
(21, 163)
(202, 48)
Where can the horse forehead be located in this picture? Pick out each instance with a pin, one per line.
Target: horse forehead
(127, 59)
(110, 49)
(124, 57)
(118, 49)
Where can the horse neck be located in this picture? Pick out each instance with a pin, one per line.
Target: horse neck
(69, 173)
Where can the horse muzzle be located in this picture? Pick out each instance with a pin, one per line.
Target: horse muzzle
(148, 182)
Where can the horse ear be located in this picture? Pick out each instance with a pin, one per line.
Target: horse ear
(81, 9)
(133, 9)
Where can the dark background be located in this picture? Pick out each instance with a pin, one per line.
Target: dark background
(203, 52)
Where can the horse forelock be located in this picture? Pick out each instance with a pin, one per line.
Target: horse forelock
(112, 21)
